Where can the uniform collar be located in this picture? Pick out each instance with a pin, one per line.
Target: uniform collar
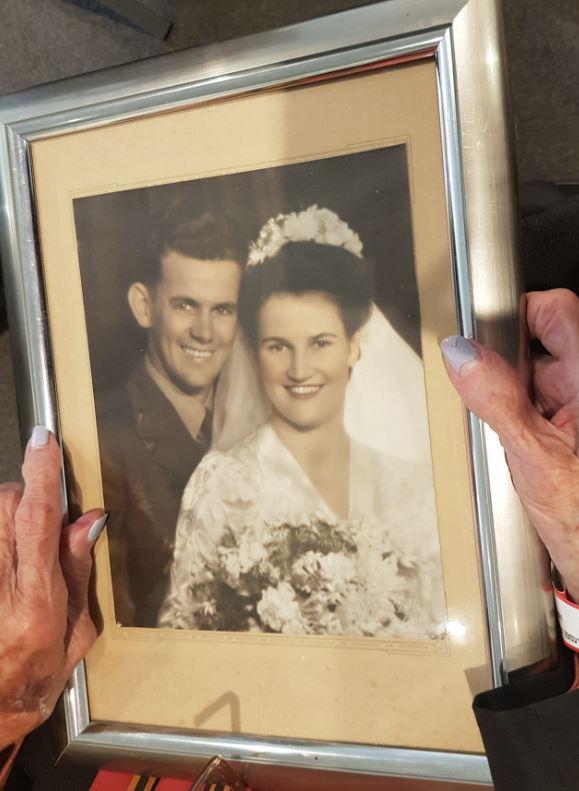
(161, 429)
(192, 412)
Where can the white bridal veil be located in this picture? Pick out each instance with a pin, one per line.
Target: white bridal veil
(385, 400)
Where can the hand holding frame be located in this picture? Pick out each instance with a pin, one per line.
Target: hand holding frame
(541, 441)
(45, 626)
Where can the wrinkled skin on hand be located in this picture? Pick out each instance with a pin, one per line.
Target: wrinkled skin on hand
(541, 440)
(45, 626)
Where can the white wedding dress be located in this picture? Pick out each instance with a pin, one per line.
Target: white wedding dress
(389, 586)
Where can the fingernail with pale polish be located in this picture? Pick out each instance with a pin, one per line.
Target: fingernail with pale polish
(97, 528)
(458, 352)
(39, 438)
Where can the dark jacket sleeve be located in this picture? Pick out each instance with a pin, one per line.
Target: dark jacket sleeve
(530, 729)
(115, 496)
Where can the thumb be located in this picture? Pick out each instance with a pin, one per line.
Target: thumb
(76, 543)
(490, 387)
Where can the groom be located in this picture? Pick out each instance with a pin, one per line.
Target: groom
(156, 428)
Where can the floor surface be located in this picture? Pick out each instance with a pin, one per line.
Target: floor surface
(10, 455)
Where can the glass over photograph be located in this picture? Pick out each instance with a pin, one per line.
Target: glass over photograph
(256, 363)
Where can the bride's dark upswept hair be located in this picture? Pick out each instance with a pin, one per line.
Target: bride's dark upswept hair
(308, 267)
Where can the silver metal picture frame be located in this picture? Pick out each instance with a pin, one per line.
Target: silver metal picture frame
(464, 37)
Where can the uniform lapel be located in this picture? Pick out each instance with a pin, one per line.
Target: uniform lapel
(161, 429)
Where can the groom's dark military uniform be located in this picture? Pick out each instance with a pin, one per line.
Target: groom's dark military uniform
(147, 456)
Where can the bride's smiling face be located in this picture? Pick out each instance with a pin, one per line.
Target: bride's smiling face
(305, 357)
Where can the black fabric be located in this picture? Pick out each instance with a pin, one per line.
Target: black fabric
(550, 239)
(530, 730)
(35, 768)
(3, 323)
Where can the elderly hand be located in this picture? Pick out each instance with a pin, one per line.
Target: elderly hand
(541, 442)
(45, 626)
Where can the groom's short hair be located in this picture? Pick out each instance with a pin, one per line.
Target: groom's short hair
(207, 236)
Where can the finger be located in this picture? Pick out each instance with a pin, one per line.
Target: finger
(553, 318)
(552, 382)
(80, 639)
(546, 383)
(75, 557)
(10, 495)
(38, 518)
(12, 486)
(489, 387)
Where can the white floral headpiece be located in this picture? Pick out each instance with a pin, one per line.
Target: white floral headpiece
(311, 225)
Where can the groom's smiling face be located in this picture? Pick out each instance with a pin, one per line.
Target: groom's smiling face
(191, 318)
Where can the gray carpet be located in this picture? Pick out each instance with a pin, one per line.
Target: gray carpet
(10, 456)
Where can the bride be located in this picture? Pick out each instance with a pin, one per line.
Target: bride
(299, 528)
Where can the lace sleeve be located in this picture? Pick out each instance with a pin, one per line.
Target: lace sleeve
(429, 598)
(220, 490)
(407, 512)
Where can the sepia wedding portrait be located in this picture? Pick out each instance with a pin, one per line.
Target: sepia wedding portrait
(253, 484)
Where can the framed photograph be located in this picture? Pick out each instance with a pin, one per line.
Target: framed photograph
(229, 273)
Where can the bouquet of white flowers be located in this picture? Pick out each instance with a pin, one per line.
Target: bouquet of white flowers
(313, 578)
